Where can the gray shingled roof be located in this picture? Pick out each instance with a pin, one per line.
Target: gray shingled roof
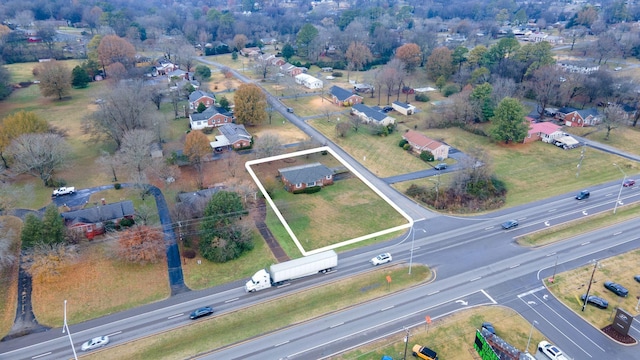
(200, 196)
(304, 174)
(209, 113)
(371, 113)
(234, 132)
(402, 104)
(101, 213)
(198, 94)
(340, 93)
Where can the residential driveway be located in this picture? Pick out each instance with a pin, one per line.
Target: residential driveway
(460, 157)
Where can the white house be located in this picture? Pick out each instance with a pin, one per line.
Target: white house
(403, 108)
(309, 81)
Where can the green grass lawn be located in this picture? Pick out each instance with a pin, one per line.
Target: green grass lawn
(624, 138)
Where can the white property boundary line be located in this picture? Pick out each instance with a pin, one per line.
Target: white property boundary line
(249, 163)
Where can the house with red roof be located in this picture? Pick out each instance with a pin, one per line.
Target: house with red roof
(544, 131)
(420, 143)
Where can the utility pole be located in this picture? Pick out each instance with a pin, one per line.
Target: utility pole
(586, 297)
(406, 342)
(66, 327)
(584, 146)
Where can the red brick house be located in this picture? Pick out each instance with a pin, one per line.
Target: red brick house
(420, 143)
(212, 117)
(297, 178)
(579, 118)
(343, 97)
(199, 96)
(232, 136)
(91, 220)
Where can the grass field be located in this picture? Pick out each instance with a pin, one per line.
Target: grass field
(217, 331)
(9, 274)
(623, 138)
(98, 284)
(570, 285)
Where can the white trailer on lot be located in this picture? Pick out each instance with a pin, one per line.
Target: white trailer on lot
(294, 269)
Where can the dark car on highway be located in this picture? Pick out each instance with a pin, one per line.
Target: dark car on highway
(584, 194)
(596, 301)
(616, 288)
(509, 224)
(203, 311)
(629, 183)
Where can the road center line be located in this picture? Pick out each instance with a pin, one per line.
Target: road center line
(617, 233)
(175, 316)
(514, 266)
(115, 333)
(585, 243)
(552, 210)
(433, 293)
(551, 254)
(474, 279)
(41, 355)
(489, 228)
(336, 325)
(231, 300)
(387, 308)
(282, 343)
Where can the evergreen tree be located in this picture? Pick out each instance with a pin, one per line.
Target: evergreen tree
(79, 77)
(53, 230)
(201, 107)
(31, 234)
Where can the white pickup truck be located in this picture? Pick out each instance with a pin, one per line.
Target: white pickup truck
(64, 191)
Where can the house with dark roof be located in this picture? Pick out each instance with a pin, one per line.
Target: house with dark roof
(420, 143)
(579, 118)
(371, 115)
(403, 108)
(296, 178)
(199, 96)
(344, 97)
(199, 199)
(212, 117)
(232, 136)
(91, 221)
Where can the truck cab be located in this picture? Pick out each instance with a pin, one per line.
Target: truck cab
(260, 280)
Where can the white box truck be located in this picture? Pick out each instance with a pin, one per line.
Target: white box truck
(278, 274)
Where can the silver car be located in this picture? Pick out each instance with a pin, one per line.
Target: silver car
(381, 259)
(95, 343)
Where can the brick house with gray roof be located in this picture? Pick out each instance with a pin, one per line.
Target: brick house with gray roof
(212, 117)
(297, 178)
(199, 96)
(371, 115)
(91, 220)
(343, 97)
(232, 136)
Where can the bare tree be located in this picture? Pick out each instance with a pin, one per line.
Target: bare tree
(232, 163)
(46, 262)
(156, 93)
(502, 88)
(545, 83)
(342, 128)
(125, 107)
(605, 47)
(141, 245)
(268, 145)
(39, 155)
(614, 116)
(392, 76)
(135, 151)
(109, 163)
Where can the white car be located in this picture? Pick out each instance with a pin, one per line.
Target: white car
(551, 351)
(381, 259)
(95, 343)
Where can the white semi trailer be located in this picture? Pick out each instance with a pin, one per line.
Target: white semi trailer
(278, 274)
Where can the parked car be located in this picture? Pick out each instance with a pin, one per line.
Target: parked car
(616, 288)
(424, 352)
(386, 109)
(440, 166)
(489, 327)
(551, 351)
(596, 301)
(408, 90)
(290, 110)
(95, 343)
(203, 311)
(381, 259)
(629, 183)
(509, 224)
(584, 194)
(637, 278)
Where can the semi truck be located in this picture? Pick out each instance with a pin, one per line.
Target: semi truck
(279, 274)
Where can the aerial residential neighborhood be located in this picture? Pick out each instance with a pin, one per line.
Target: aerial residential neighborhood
(399, 179)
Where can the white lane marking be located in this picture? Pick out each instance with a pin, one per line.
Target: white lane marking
(231, 300)
(552, 210)
(433, 293)
(585, 243)
(551, 254)
(175, 316)
(531, 291)
(488, 296)
(474, 279)
(489, 228)
(282, 343)
(387, 308)
(41, 355)
(336, 325)
(115, 333)
(514, 266)
(416, 248)
(617, 233)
